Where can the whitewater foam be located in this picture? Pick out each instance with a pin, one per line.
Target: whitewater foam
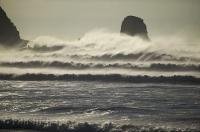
(101, 52)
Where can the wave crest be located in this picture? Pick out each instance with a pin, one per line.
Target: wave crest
(106, 78)
(82, 66)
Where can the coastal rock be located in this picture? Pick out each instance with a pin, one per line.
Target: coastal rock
(134, 26)
(9, 35)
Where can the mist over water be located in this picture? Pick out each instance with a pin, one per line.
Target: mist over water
(102, 52)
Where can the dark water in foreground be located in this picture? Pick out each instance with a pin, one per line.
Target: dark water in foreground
(157, 105)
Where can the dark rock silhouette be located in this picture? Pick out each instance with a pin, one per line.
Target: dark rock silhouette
(134, 26)
(9, 35)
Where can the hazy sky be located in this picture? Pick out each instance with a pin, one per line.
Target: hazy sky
(73, 18)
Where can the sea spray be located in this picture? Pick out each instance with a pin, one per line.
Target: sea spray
(101, 52)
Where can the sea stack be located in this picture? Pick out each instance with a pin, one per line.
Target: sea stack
(134, 26)
(9, 35)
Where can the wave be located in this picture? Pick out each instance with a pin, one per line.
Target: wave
(46, 48)
(174, 67)
(40, 44)
(140, 56)
(100, 52)
(104, 45)
(106, 78)
(60, 109)
(75, 110)
(144, 56)
(82, 66)
(69, 126)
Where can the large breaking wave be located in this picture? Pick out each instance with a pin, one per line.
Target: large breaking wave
(101, 55)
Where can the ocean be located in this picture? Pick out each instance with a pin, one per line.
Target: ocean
(113, 82)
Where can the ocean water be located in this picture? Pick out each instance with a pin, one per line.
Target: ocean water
(99, 102)
(103, 78)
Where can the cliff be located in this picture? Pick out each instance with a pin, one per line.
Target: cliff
(9, 35)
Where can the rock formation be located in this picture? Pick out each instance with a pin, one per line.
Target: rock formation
(134, 26)
(9, 35)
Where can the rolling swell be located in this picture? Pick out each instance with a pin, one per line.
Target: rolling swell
(73, 110)
(82, 66)
(105, 78)
(141, 56)
(83, 127)
(144, 56)
(46, 48)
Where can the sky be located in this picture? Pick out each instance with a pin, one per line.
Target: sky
(69, 19)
